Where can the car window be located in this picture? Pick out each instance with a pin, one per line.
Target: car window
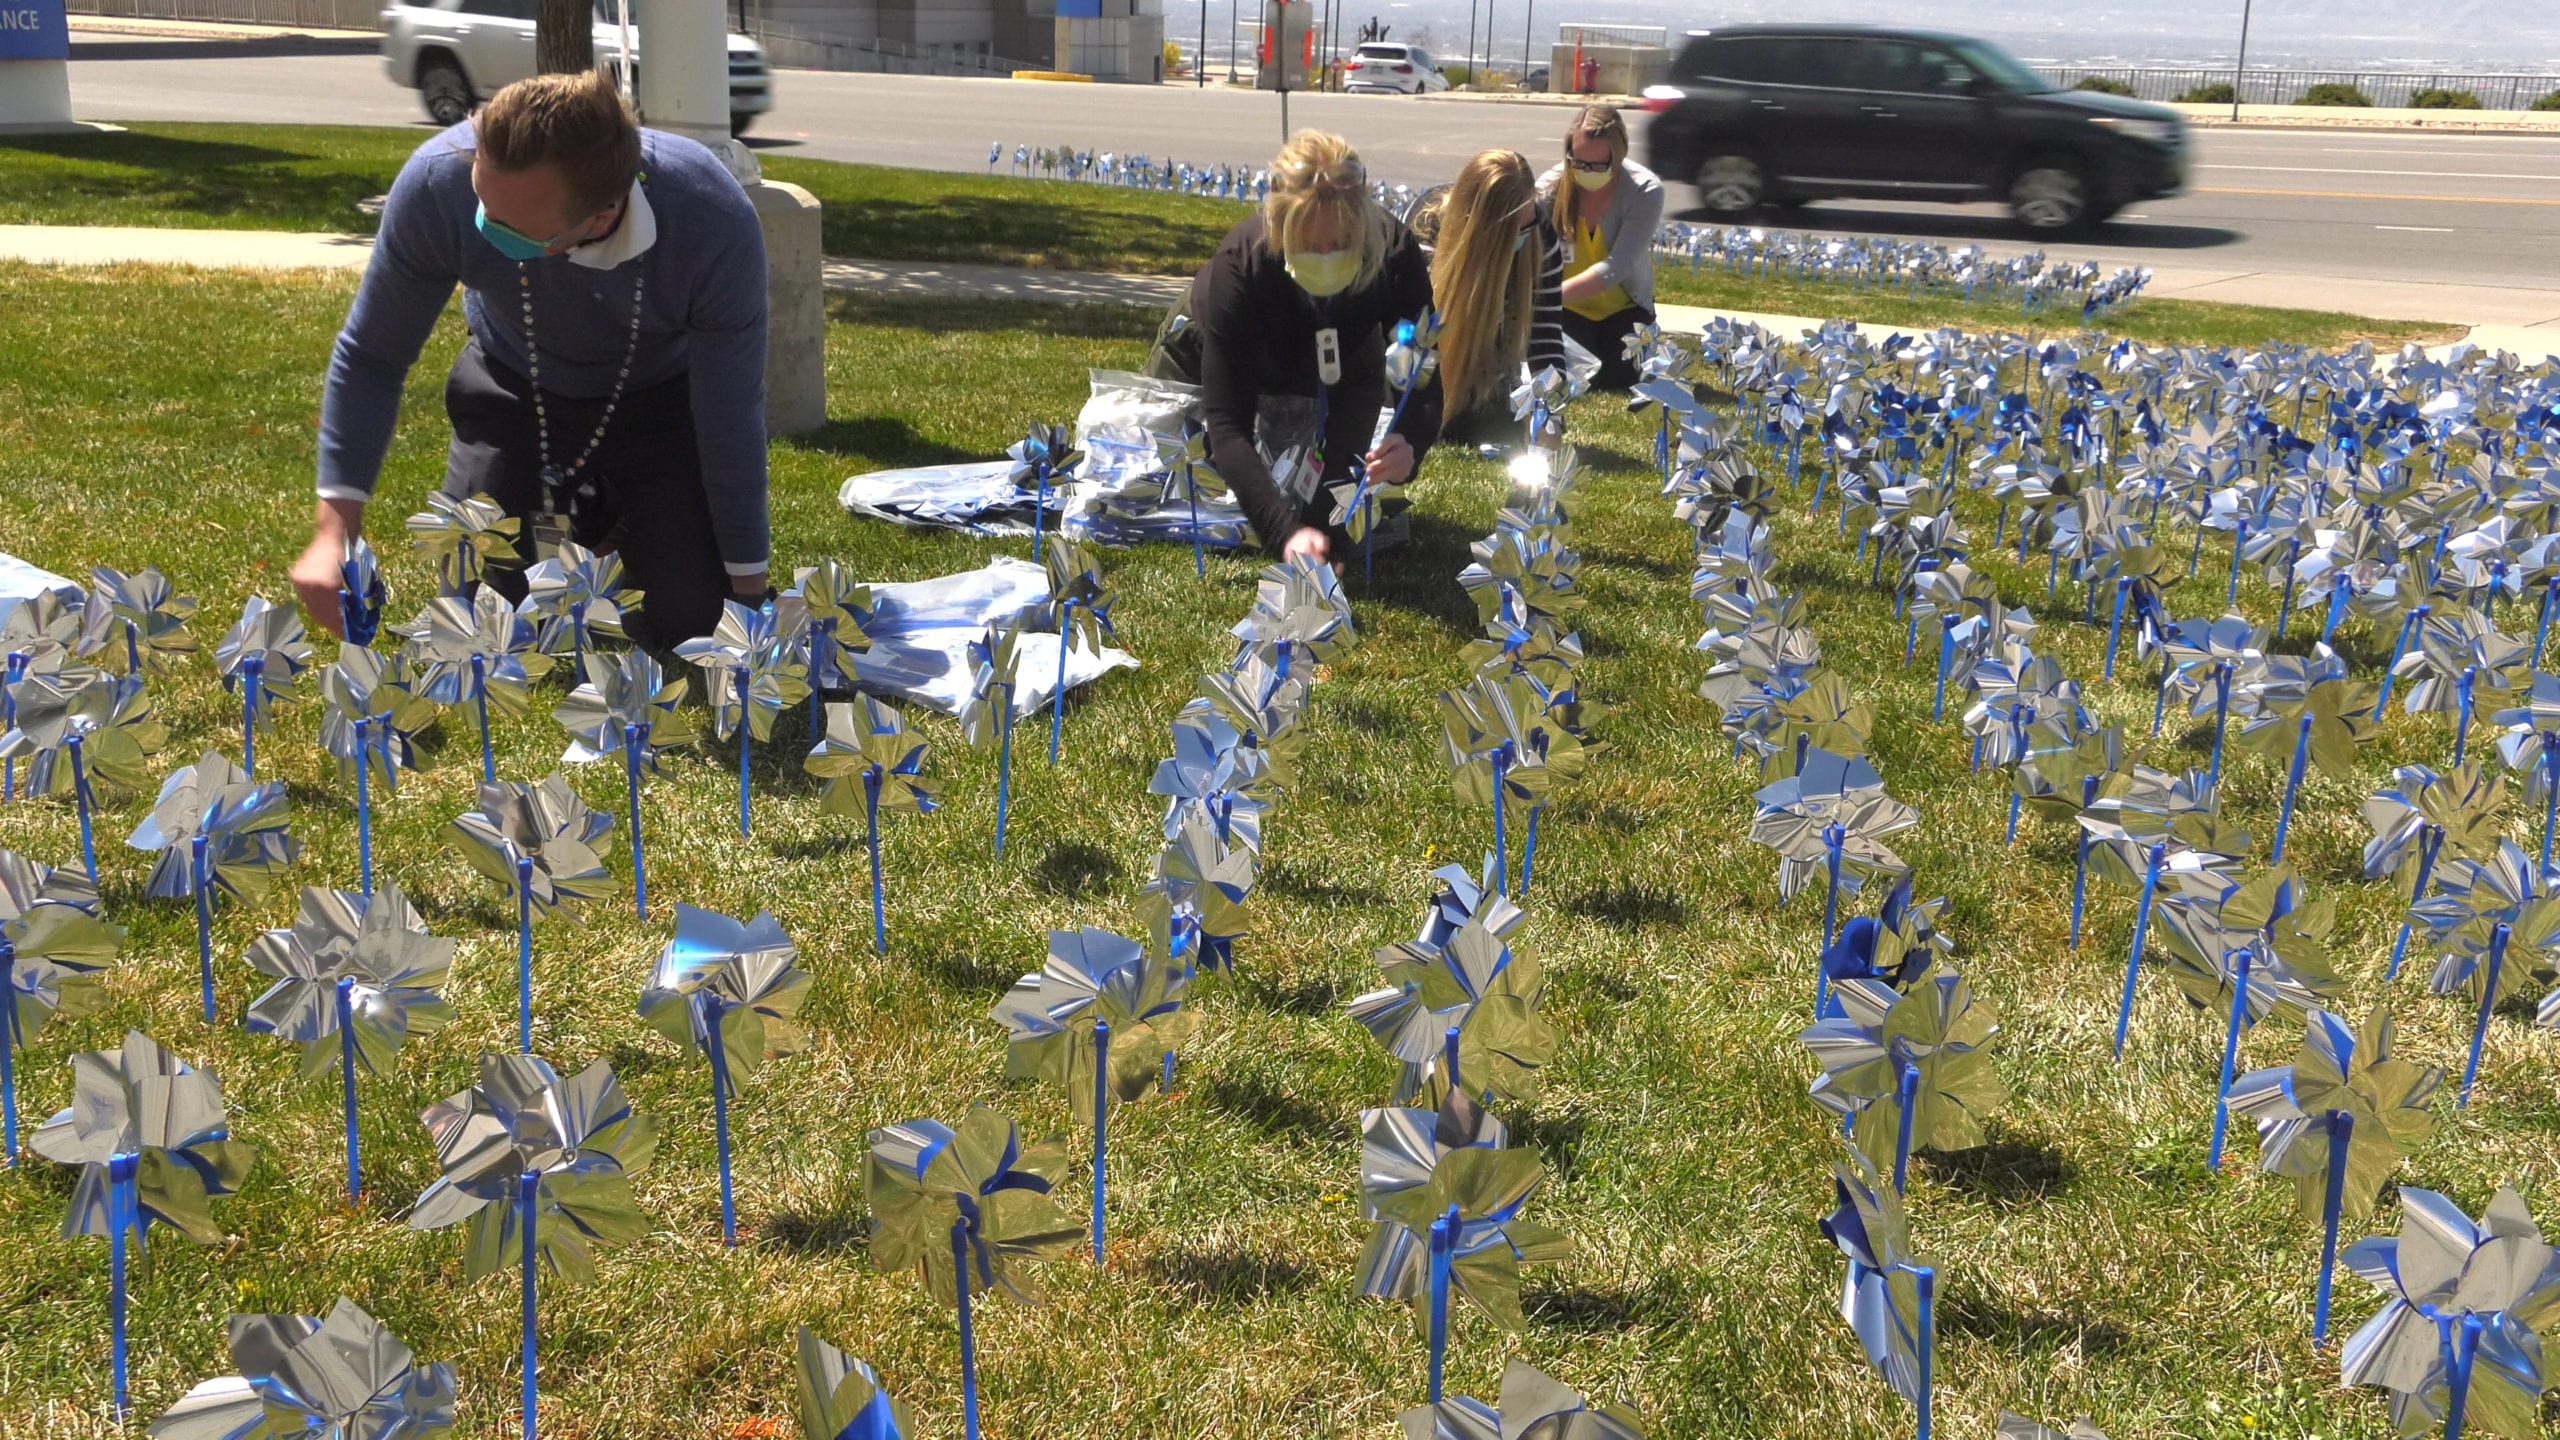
(1382, 52)
(1423, 59)
(500, 9)
(1755, 59)
(1908, 67)
(2002, 68)
(1836, 62)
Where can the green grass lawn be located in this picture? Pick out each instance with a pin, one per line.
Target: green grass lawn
(309, 177)
(2089, 1263)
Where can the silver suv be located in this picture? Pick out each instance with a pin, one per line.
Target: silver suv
(456, 53)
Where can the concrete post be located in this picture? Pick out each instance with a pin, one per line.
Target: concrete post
(35, 71)
(795, 354)
(684, 89)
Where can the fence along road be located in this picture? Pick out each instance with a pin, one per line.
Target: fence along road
(2422, 226)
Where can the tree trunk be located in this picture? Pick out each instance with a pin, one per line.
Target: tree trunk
(564, 36)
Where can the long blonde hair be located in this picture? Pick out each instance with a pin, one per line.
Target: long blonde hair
(1483, 280)
(1318, 183)
(1596, 122)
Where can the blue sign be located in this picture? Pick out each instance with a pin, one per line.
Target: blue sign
(34, 30)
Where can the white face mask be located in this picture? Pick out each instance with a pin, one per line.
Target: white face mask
(1589, 181)
(1323, 272)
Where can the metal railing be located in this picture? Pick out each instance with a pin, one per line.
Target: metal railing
(2386, 88)
(803, 47)
(1574, 32)
(308, 14)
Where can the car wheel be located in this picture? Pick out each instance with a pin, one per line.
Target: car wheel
(1731, 185)
(740, 122)
(445, 90)
(2048, 196)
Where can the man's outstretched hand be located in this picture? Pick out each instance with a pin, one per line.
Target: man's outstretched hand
(335, 524)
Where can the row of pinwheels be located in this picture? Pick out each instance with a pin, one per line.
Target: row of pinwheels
(2339, 1118)
(1909, 267)
(1459, 1008)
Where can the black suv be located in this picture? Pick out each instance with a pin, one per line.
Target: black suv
(1780, 114)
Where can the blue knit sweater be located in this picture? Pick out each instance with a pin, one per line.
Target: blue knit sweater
(703, 313)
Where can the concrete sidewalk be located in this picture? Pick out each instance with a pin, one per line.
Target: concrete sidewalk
(289, 250)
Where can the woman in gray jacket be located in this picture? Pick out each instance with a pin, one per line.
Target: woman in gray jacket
(1606, 208)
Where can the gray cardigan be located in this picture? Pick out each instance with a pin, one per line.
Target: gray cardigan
(1634, 212)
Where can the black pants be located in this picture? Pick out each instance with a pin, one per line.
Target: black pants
(651, 508)
(1606, 337)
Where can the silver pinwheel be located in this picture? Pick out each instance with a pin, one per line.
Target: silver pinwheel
(835, 608)
(52, 946)
(477, 651)
(356, 979)
(2419, 817)
(1040, 459)
(627, 707)
(154, 1146)
(214, 830)
(2529, 743)
(2337, 1122)
(1890, 1297)
(1200, 887)
(840, 1397)
(752, 674)
(1191, 477)
(987, 716)
(1213, 774)
(372, 709)
(2458, 1344)
(1908, 1068)
(1532, 1403)
(464, 539)
(2160, 826)
(2309, 711)
(1462, 1013)
(302, 1377)
(261, 660)
(1831, 818)
(1079, 608)
(731, 991)
(1300, 618)
(968, 1207)
(2255, 949)
(77, 726)
(540, 1169)
(2495, 923)
(154, 616)
(362, 593)
(1446, 1200)
(2459, 655)
(575, 599)
(873, 765)
(542, 843)
(1102, 1019)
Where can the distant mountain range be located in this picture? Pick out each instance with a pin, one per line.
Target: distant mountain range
(2477, 36)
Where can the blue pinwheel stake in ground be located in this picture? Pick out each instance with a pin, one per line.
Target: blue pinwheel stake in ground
(356, 979)
(873, 765)
(1079, 608)
(478, 652)
(542, 843)
(52, 946)
(2337, 1122)
(372, 708)
(1908, 1068)
(968, 1207)
(834, 611)
(214, 830)
(1039, 459)
(2494, 923)
(731, 991)
(2249, 950)
(840, 1397)
(75, 727)
(1830, 819)
(628, 708)
(2529, 743)
(261, 660)
(2423, 817)
(2457, 1345)
(2307, 712)
(539, 1166)
(154, 1146)
(987, 716)
(1890, 1300)
(752, 672)
(1102, 1019)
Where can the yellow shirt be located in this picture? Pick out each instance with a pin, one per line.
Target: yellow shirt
(1589, 250)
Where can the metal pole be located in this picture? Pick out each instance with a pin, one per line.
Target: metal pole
(1235, 28)
(1528, 40)
(1488, 38)
(2240, 66)
(1200, 57)
(1471, 42)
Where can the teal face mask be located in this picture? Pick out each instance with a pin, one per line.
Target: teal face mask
(1520, 242)
(511, 243)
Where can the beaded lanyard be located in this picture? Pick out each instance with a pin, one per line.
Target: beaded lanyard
(549, 526)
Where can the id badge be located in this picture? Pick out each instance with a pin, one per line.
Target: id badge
(550, 530)
(1329, 355)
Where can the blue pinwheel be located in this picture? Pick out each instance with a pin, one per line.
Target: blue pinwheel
(2256, 948)
(213, 830)
(2495, 922)
(2458, 1343)
(153, 614)
(52, 946)
(841, 1398)
(1890, 1297)
(987, 716)
(2420, 816)
(262, 659)
(2529, 743)
(872, 764)
(478, 652)
(576, 600)
(730, 991)
(753, 674)
(372, 709)
(305, 1378)
(628, 707)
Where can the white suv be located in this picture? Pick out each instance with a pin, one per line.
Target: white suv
(1381, 68)
(456, 53)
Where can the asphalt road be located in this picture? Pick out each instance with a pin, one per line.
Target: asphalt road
(2439, 226)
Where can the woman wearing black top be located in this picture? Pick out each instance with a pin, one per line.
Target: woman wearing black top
(1286, 337)
(1497, 276)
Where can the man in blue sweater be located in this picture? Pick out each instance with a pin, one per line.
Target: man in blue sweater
(612, 391)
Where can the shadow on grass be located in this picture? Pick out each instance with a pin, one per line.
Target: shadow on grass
(1257, 1101)
(1283, 877)
(1076, 870)
(1415, 575)
(1636, 906)
(280, 188)
(1595, 1310)
(1313, 996)
(959, 970)
(941, 315)
(2008, 1170)
(833, 1228)
(1230, 1277)
(2020, 1328)
(886, 439)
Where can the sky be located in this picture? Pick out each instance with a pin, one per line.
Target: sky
(2477, 36)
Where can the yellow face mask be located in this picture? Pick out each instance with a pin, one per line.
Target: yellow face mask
(1589, 181)
(1323, 272)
